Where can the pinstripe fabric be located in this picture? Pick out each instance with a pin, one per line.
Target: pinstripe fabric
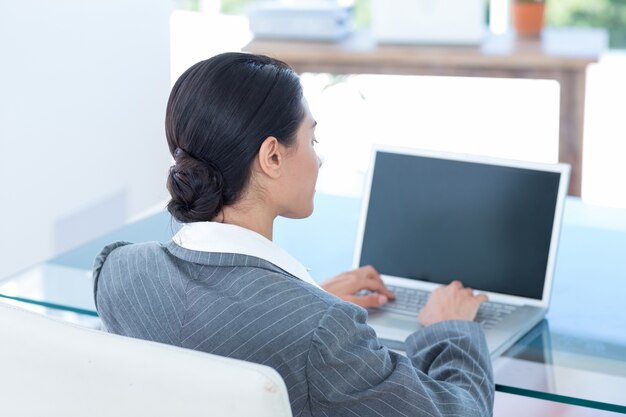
(332, 363)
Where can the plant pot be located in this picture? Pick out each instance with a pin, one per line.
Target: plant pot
(528, 18)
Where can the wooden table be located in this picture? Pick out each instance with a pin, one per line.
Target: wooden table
(522, 59)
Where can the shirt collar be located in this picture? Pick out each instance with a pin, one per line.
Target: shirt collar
(228, 238)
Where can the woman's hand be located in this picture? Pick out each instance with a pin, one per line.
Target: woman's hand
(452, 302)
(347, 285)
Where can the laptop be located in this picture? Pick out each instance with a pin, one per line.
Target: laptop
(429, 218)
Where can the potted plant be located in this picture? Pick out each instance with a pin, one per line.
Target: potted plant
(528, 17)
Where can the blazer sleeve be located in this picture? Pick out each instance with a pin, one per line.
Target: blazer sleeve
(447, 370)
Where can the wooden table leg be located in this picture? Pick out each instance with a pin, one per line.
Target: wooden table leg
(572, 125)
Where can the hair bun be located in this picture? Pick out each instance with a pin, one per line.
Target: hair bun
(196, 189)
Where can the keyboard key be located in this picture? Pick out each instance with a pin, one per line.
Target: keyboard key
(410, 301)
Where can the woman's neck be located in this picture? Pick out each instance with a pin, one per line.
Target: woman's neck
(249, 216)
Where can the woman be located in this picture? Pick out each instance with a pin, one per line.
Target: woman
(242, 138)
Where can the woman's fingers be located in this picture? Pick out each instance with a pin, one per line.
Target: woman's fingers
(347, 285)
(368, 300)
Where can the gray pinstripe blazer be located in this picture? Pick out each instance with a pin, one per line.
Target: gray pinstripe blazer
(247, 308)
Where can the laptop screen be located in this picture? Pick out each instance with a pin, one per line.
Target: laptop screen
(437, 220)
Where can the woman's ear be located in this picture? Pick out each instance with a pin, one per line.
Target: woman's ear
(271, 157)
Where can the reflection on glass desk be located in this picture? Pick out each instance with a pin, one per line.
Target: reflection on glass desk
(576, 356)
(549, 365)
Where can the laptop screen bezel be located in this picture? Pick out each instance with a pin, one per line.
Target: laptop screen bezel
(562, 169)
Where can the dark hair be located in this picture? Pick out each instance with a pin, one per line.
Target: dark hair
(219, 113)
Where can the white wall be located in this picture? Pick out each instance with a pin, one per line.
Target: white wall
(83, 89)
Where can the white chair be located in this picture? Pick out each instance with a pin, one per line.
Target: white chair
(52, 368)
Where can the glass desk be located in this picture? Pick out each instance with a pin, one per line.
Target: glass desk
(577, 355)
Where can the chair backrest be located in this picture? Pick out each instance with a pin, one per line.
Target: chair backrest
(53, 368)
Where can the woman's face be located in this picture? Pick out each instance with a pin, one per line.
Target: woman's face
(300, 170)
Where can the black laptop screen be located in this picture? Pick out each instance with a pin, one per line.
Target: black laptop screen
(438, 220)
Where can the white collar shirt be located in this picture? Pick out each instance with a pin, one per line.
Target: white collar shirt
(227, 238)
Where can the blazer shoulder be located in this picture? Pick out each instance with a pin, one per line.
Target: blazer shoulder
(121, 251)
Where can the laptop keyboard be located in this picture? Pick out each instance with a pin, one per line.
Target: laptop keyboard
(409, 301)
